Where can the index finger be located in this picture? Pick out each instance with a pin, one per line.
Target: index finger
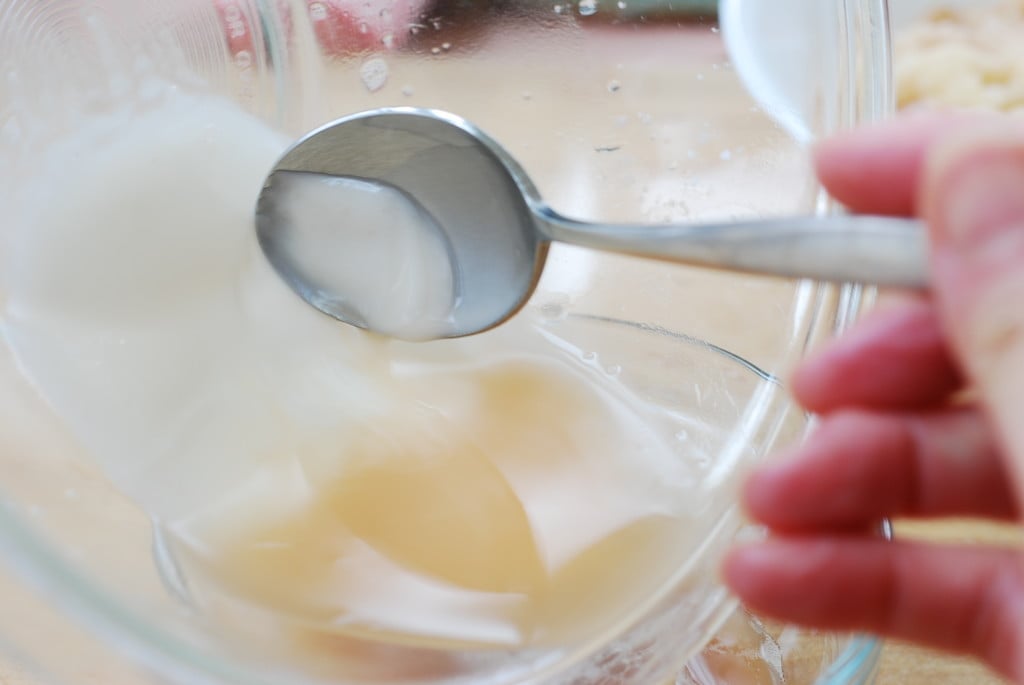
(878, 169)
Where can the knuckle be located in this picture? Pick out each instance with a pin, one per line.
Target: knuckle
(998, 356)
(997, 630)
(993, 339)
(853, 420)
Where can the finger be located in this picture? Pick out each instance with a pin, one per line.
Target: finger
(857, 468)
(877, 169)
(897, 358)
(973, 198)
(967, 600)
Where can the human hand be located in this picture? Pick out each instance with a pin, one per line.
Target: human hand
(922, 411)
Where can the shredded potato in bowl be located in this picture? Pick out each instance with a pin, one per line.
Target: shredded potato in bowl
(965, 57)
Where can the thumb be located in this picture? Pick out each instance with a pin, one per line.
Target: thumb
(973, 200)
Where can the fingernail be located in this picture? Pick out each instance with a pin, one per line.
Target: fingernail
(752, 569)
(759, 487)
(744, 567)
(755, 557)
(979, 191)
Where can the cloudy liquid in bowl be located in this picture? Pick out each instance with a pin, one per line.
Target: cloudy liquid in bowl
(496, 491)
(517, 507)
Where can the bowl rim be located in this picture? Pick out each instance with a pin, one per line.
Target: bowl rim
(867, 97)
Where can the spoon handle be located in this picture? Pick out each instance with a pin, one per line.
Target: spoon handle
(845, 248)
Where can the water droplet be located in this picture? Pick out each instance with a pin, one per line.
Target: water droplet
(317, 11)
(374, 73)
(621, 5)
(714, 29)
(388, 40)
(435, 51)
(557, 9)
(363, 28)
(408, 91)
(700, 77)
(613, 370)
(614, 86)
(553, 311)
(446, 46)
(682, 435)
(589, 356)
(588, 7)
(725, 155)
(436, 23)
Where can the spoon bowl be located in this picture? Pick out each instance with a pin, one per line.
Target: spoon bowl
(496, 229)
(460, 177)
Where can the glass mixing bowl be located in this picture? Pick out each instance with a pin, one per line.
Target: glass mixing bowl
(620, 112)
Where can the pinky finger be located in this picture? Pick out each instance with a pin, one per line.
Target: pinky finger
(963, 599)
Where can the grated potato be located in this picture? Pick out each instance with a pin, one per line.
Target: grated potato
(971, 58)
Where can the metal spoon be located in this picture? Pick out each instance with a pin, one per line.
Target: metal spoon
(498, 228)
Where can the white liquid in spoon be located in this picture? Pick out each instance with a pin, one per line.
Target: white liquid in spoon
(368, 249)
